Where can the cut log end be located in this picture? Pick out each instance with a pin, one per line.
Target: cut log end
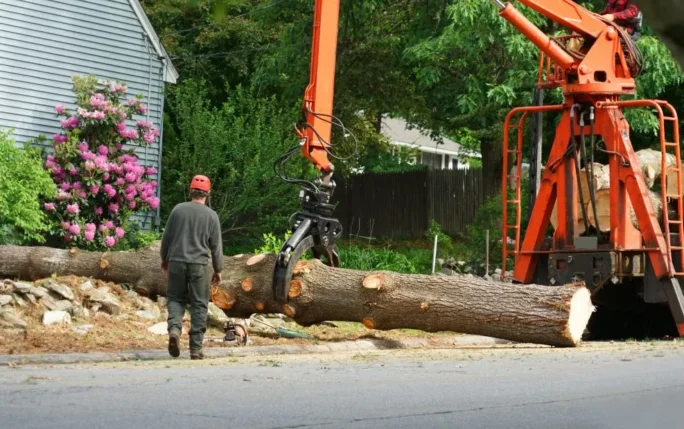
(221, 298)
(374, 281)
(288, 311)
(260, 306)
(581, 310)
(255, 260)
(295, 289)
(301, 268)
(247, 284)
(368, 323)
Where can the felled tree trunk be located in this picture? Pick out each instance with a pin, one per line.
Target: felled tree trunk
(380, 300)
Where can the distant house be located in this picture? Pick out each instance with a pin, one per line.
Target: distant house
(44, 43)
(445, 155)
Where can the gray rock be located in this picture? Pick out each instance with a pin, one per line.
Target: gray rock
(49, 302)
(160, 328)
(32, 299)
(5, 300)
(19, 300)
(63, 305)
(161, 301)
(38, 292)
(147, 314)
(22, 287)
(448, 271)
(10, 318)
(56, 318)
(6, 288)
(497, 272)
(82, 329)
(216, 316)
(105, 300)
(131, 294)
(60, 289)
(86, 286)
(488, 277)
(79, 312)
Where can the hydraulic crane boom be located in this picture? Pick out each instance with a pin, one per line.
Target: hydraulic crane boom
(313, 228)
(593, 78)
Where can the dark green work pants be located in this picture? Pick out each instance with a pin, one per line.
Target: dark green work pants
(188, 283)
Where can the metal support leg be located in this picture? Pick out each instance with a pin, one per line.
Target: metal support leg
(675, 299)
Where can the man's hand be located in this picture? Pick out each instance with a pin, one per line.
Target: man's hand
(609, 17)
(216, 278)
(165, 265)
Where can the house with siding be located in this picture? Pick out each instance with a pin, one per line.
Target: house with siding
(442, 154)
(44, 43)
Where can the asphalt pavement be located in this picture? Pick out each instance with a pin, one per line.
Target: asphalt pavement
(618, 386)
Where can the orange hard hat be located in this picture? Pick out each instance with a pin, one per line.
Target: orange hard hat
(201, 183)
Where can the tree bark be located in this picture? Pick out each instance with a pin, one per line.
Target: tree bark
(555, 316)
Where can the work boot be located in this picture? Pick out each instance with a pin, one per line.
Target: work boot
(174, 343)
(197, 354)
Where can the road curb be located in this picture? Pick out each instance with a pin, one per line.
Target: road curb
(248, 351)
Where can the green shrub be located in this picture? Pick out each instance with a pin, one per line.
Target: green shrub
(271, 243)
(386, 259)
(23, 183)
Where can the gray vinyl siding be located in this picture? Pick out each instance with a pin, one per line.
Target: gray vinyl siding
(43, 43)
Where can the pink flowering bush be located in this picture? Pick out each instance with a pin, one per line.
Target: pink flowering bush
(100, 185)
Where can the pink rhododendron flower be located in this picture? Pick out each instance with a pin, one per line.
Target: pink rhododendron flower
(110, 241)
(94, 189)
(121, 126)
(150, 171)
(109, 224)
(145, 124)
(66, 225)
(118, 88)
(150, 136)
(119, 146)
(87, 155)
(83, 195)
(72, 122)
(83, 146)
(120, 181)
(89, 235)
(59, 138)
(113, 207)
(130, 197)
(131, 176)
(89, 165)
(49, 163)
(65, 186)
(49, 207)
(60, 108)
(120, 232)
(61, 195)
(75, 229)
(98, 101)
(77, 185)
(132, 205)
(74, 171)
(72, 208)
(153, 202)
(90, 227)
(103, 150)
(99, 211)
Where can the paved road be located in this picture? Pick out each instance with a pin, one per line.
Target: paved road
(623, 387)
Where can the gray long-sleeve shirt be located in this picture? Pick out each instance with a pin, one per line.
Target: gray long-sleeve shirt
(192, 235)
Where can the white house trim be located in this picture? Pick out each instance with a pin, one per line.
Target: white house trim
(170, 73)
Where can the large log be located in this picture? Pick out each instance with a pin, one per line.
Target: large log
(603, 210)
(380, 300)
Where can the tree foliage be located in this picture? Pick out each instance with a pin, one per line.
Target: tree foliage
(450, 67)
(23, 183)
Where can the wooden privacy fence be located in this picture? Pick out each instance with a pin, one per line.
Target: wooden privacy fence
(401, 205)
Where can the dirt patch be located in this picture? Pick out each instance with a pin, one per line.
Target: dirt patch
(92, 327)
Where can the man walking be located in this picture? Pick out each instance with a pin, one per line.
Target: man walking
(192, 236)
